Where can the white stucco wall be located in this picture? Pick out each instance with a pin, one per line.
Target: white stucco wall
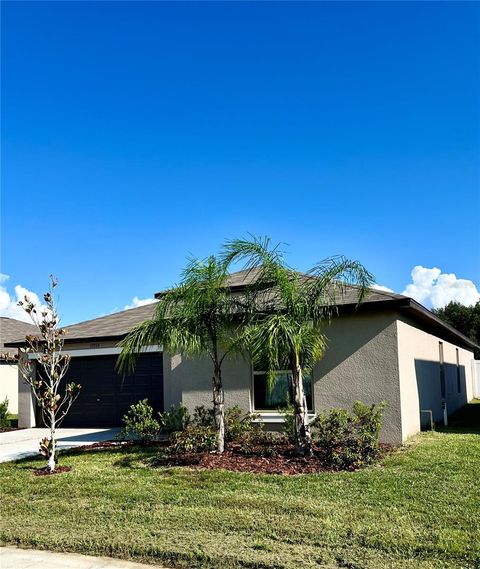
(9, 385)
(420, 384)
(26, 405)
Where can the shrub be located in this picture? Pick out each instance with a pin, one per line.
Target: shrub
(176, 419)
(369, 423)
(140, 423)
(257, 442)
(288, 427)
(238, 424)
(4, 422)
(347, 440)
(203, 417)
(193, 438)
(248, 435)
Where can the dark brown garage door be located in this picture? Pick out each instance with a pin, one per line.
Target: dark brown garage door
(106, 396)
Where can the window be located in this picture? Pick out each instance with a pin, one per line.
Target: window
(459, 379)
(281, 394)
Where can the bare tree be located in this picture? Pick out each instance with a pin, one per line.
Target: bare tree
(44, 365)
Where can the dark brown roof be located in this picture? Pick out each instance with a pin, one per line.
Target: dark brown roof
(241, 279)
(375, 299)
(113, 326)
(11, 330)
(116, 326)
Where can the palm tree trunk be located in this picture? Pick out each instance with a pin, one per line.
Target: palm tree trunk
(304, 439)
(219, 408)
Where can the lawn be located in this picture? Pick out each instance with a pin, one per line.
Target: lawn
(419, 508)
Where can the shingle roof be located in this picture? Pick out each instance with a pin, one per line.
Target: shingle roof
(11, 330)
(239, 280)
(116, 326)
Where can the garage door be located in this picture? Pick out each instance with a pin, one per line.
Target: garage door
(105, 395)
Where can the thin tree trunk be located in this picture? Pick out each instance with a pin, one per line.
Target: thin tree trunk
(53, 446)
(219, 408)
(304, 440)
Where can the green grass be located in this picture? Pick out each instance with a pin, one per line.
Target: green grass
(420, 508)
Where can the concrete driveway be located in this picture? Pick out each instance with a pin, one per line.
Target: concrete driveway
(24, 442)
(13, 558)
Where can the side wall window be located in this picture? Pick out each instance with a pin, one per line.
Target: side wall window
(281, 393)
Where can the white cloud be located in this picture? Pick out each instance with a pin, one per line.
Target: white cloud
(136, 302)
(382, 288)
(435, 289)
(8, 302)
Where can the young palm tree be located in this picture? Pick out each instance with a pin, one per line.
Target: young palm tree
(291, 308)
(199, 316)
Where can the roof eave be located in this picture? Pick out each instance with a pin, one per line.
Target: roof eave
(92, 339)
(437, 323)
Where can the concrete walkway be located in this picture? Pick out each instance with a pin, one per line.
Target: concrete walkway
(13, 558)
(24, 442)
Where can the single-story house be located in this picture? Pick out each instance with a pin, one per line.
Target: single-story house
(390, 348)
(10, 330)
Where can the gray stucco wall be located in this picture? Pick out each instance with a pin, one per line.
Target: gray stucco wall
(189, 380)
(371, 357)
(361, 363)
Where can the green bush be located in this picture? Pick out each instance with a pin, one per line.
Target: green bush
(4, 422)
(257, 442)
(347, 440)
(203, 417)
(247, 434)
(177, 418)
(193, 439)
(140, 423)
(238, 423)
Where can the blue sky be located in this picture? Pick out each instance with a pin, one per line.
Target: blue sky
(134, 134)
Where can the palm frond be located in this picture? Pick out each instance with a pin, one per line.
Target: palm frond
(147, 333)
(328, 282)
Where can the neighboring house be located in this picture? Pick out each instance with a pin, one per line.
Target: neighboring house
(10, 330)
(390, 349)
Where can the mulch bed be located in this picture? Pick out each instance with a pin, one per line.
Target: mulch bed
(118, 444)
(8, 429)
(46, 472)
(282, 461)
(230, 460)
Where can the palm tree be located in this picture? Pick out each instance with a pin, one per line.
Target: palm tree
(199, 316)
(291, 309)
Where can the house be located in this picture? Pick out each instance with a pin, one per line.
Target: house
(390, 348)
(10, 330)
